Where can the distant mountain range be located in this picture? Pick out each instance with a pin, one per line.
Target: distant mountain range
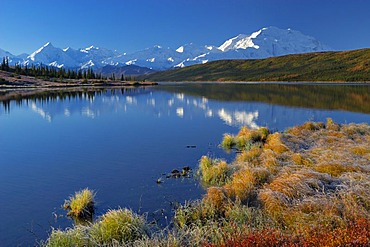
(267, 42)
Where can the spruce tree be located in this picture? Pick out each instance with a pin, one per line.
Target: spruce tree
(7, 64)
(3, 64)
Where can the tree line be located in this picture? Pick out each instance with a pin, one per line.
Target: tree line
(47, 72)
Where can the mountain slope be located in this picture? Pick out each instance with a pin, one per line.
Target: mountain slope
(326, 66)
(12, 58)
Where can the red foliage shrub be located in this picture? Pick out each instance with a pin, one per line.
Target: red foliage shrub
(356, 233)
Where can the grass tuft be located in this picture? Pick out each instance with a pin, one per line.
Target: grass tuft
(213, 172)
(330, 125)
(81, 205)
(245, 139)
(250, 155)
(216, 197)
(244, 183)
(76, 236)
(121, 225)
(228, 142)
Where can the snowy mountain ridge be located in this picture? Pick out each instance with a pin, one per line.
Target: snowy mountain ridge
(266, 42)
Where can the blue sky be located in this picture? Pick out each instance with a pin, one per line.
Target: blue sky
(131, 25)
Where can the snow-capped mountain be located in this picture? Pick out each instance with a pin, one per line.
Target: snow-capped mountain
(50, 55)
(267, 42)
(92, 56)
(156, 57)
(273, 41)
(70, 58)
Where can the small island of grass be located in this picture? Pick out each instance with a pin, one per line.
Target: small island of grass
(306, 186)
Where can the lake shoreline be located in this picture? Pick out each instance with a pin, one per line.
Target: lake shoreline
(19, 93)
(339, 83)
(9, 80)
(66, 85)
(282, 189)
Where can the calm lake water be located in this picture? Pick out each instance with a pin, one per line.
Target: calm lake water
(119, 142)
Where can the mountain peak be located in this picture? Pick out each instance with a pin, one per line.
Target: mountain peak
(242, 41)
(274, 41)
(47, 45)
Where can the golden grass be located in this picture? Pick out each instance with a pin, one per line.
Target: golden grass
(356, 129)
(216, 197)
(244, 183)
(361, 150)
(274, 203)
(249, 155)
(275, 144)
(334, 169)
(298, 184)
(268, 159)
(330, 125)
(300, 159)
(295, 185)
